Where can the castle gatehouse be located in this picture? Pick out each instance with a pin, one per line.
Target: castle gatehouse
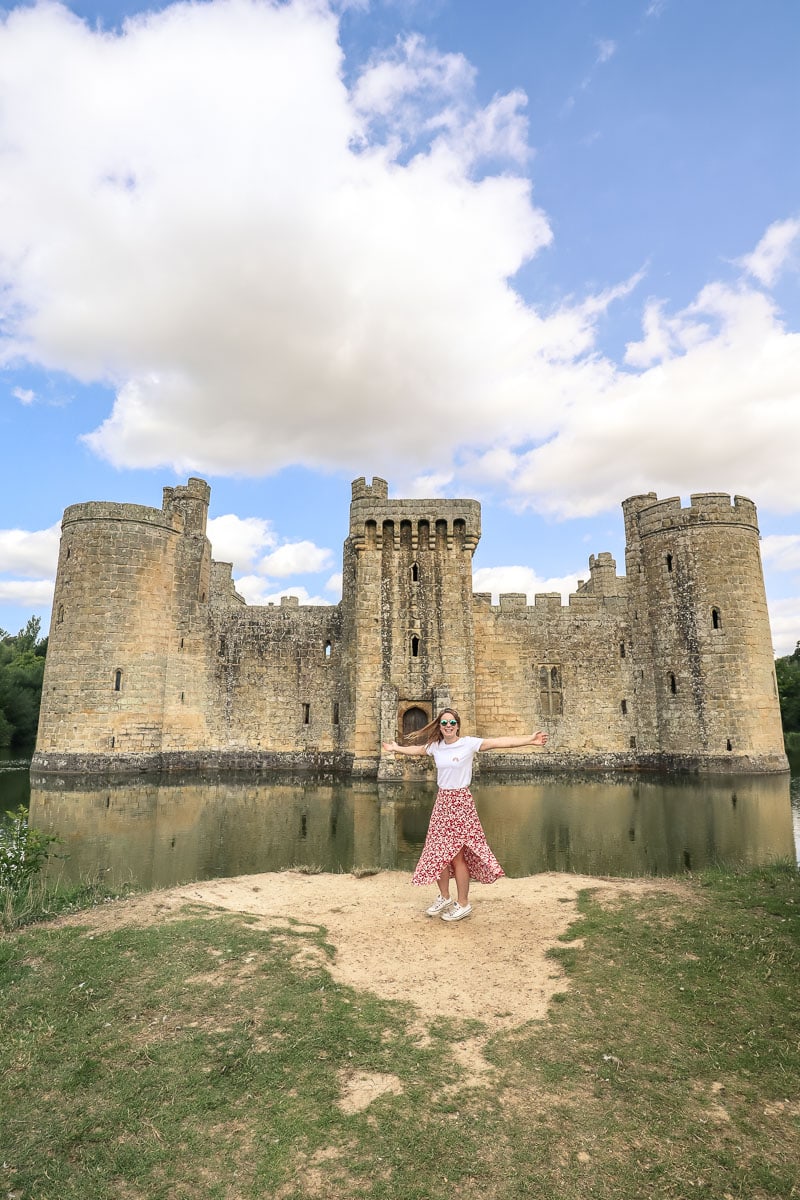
(156, 663)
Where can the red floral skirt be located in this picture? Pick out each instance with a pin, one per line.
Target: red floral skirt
(454, 826)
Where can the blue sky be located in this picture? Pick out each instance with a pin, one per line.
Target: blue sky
(543, 254)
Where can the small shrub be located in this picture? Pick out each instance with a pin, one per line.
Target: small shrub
(23, 851)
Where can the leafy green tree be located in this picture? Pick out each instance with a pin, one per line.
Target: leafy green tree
(22, 659)
(787, 670)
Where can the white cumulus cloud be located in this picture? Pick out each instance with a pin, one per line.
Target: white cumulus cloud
(296, 558)
(284, 266)
(257, 590)
(781, 551)
(262, 267)
(773, 252)
(239, 540)
(520, 579)
(784, 616)
(31, 553)
(334, 586)
(27, 593)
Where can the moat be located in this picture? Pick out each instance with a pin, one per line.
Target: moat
(157, 831)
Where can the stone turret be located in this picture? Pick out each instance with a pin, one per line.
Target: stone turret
(130, 580)
(700, 632)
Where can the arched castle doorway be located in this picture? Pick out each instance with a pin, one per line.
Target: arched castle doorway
(413, 719)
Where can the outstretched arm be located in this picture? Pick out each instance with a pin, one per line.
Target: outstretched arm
(508, 743)
(398, 749)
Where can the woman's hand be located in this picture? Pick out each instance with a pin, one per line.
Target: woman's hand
(391, 746)
(539, 739)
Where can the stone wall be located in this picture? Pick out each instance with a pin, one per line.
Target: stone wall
(155, 661)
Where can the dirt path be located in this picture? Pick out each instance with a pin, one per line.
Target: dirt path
(492, 967)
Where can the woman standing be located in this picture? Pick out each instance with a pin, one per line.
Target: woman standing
(455, 846)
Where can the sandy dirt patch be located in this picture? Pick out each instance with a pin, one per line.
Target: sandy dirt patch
(491, 967)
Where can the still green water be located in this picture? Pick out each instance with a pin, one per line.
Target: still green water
(157, 831)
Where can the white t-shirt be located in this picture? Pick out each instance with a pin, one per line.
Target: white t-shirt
(454, 762)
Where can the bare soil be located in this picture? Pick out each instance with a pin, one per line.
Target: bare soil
(492, 967)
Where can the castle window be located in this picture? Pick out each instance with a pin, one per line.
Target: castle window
(414, 719)
(327, 649)
(118, 680)
(622, 649)
(405, 535)
(716, 620)
(673, 686)
(222, 647)
(441, 535)
(182, 698)
(633, 743)
(415, 573)
(729, 744)
(388, 535)
(336, 712)
(550, 695)
(459, 532)
(306, 714)
(624, 708)
(424, 535)
(113, 744)
(415, 646)
(181, 645)
(669, 562)
(60, 614)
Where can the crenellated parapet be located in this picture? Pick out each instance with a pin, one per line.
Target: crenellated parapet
(657, 516)
(377, 522)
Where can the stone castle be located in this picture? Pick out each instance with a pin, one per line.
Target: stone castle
(155, 662)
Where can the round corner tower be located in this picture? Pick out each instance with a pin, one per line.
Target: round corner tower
(407, 607)
(701, 634)
(124, 575)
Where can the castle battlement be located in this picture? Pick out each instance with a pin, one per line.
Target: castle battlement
(704, 508)
(377, 522)
(377, 490)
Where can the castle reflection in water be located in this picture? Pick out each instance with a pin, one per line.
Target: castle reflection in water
(156, 831)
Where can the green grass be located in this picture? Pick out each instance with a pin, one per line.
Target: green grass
(40, 899)
(206, 1057)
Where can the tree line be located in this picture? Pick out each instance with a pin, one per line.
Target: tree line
(22, 658)
(787, 670)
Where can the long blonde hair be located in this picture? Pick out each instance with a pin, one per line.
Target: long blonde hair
(432, 732)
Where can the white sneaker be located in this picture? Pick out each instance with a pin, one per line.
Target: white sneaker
(457, 912)
(438, 906)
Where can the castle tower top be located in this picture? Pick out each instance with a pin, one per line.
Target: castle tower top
(191, 501)
(657, 516)
(422, 521)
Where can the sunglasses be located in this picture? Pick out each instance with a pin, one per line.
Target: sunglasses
(443, 723)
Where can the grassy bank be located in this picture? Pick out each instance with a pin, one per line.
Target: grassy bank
(209, 1057)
